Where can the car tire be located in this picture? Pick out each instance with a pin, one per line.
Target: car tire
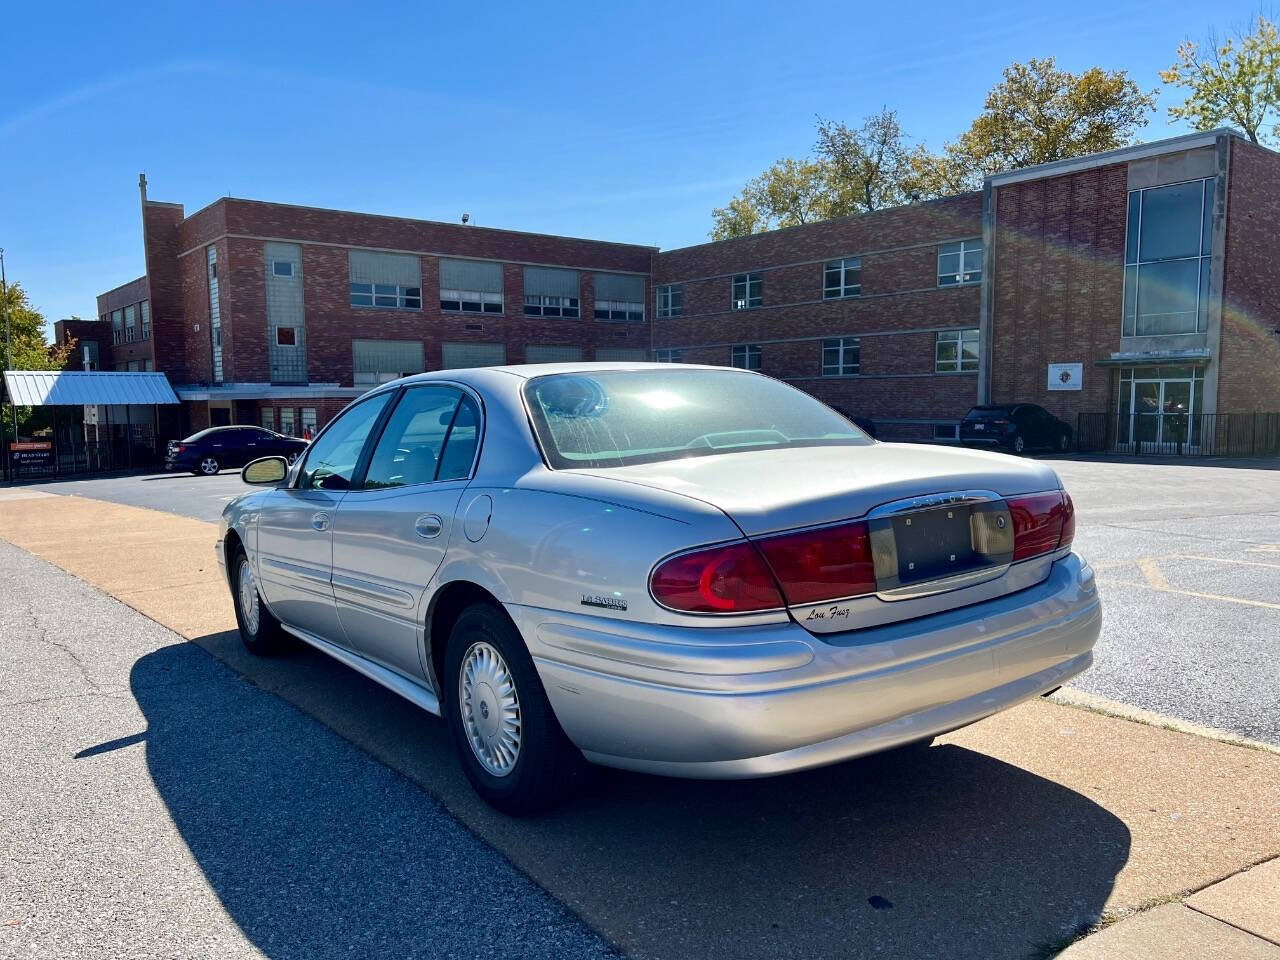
(509, 742)
(208, 466)
(1018, 444)
(260, 631)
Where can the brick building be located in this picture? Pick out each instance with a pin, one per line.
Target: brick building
(1132, 285)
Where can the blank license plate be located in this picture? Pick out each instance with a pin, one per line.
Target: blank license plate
(933, 543)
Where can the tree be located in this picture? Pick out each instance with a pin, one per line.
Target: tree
(1038, 114)
(854, 170)
(789, 193)
(1234, 82)
(26, 328)
(868, 166)
(30, 349)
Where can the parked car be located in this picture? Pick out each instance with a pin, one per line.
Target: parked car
(692, 571)
(865, 424)
(213, 449)
(1016, 427)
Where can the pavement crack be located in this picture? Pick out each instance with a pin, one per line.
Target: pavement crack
(42, 635)
(121, 695)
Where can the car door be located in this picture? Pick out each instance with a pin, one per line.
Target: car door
(1045, 434)
(295, 553)
(240, 446)
(390, 535)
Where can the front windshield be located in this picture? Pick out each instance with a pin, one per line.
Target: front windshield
(615, 418)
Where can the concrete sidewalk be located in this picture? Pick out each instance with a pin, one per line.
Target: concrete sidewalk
(1007, 840)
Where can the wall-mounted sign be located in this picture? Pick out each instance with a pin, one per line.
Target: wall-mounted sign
(1066, 376)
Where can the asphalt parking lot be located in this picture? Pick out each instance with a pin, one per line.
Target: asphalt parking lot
(291, 808)
(1187, 553)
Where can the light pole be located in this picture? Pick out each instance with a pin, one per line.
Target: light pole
(8, 354)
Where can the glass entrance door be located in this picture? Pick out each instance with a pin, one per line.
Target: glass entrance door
(1158, 409)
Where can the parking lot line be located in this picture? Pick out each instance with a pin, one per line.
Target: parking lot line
(1246, 563)
(1155, 580)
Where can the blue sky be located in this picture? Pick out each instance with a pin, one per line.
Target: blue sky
(622, 122)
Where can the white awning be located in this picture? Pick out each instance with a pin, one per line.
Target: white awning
(73, 388)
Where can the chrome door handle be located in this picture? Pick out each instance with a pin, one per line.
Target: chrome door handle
(428, 527)
(320, 521)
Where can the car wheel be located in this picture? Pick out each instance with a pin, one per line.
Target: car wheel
(1019, 444)
(209, 466)
(508, 739)
(260, 631)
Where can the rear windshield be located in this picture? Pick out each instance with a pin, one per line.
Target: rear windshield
(615, 418)
(988, 413)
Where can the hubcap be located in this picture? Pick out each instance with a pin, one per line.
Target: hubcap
(248, 598)
(209, 465)
(490, 709)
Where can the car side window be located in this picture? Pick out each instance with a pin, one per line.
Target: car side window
(331, 460)
(460, 447)
(410, 448)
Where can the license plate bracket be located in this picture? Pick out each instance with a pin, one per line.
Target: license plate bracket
(934, 543)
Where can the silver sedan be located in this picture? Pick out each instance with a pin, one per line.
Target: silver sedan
(690, 571)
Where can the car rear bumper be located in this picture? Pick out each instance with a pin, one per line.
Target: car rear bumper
(749, 702)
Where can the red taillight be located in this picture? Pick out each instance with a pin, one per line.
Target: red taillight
(179, 447)
(727, 579)
(826, 564)
(1041, 523)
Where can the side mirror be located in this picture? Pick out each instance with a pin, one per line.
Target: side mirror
(265, 472)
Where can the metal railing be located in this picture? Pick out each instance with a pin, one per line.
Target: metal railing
(1180, 435)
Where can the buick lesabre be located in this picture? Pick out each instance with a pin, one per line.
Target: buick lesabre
(691, 571)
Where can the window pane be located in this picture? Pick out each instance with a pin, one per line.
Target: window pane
(1167, 295)
(460, 450)
(973, 260)
(331, 461)
(1206, 238)
(947, 351)
(948, 263)
(1202, 316)
(1131, 235)
(410, 446)
(1129, 322)
(1171, 222)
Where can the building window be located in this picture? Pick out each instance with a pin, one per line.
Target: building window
(282, 268)
(286, 421)
(388, 280)
(621, 354)
(842, 278)
(379, 361)
(117, 326)
(130, 323)
(669, 356)
(459, 355)
(386, 295)
(549, 353)
(745, 356)
(550, 292)
(946, 431)
(308, 421)
(215, 313)
(269, 417)
(748, 291)
(286, 337)
(956, 351)
(960, 263)
(619, 297)
(89, 354)
(841, 357)
(470, 286)
(1167, 253)
(145, 309)
(671, 300)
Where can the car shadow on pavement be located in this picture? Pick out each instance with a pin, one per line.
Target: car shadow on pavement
(925, 853)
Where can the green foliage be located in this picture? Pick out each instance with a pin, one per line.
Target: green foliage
(1036, 114)
(30, 349)
(1235, 81)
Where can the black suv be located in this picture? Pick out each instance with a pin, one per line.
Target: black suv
(211, 450)
(1015, 427)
